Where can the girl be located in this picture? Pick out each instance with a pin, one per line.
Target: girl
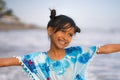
(59, 62)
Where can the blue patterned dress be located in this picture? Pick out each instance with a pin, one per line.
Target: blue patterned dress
(39, 66)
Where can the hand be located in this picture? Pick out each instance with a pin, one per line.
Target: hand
(109, 48)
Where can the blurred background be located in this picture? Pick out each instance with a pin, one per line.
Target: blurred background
(23, 30)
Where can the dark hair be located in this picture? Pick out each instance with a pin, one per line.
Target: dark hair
(57, 22)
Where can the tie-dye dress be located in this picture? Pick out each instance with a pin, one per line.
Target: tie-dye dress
(39, 66)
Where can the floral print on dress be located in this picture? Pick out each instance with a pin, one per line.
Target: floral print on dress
(78, 77)
(30, 64)
(73, 53)
(84, 58)
(59, 67)
(45, 69)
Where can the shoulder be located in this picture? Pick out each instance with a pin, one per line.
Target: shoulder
(73, 51)
(73, 48)
(32, 55)
(81, 49)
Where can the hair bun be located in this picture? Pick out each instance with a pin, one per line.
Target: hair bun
(53, 13)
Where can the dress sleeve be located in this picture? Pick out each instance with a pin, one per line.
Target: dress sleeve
(92, 50)
(86, 54)
(27, 57)
(28, 63)
(81, 54)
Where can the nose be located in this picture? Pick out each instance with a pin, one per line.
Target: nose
(66, 36)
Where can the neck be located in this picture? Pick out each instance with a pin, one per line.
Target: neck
(56, 54)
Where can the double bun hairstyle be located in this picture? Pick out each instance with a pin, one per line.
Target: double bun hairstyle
(57, 22)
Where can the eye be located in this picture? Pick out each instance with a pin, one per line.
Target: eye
(71, 35)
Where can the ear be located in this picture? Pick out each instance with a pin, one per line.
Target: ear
(50, 31)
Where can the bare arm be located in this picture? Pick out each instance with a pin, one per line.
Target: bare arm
(9, 62)
(109, 48)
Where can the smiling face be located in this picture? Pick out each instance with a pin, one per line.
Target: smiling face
(61, 38)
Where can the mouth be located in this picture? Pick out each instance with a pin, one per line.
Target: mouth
(62, 42)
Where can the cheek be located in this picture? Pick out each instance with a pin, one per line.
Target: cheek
(71, 39)
(55, 36)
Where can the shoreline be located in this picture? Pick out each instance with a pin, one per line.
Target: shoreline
(20, 26)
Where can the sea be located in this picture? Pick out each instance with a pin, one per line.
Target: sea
(21, 42)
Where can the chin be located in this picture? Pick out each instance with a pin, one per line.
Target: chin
(62, 47)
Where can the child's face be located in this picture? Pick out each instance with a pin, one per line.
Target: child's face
(61, 38)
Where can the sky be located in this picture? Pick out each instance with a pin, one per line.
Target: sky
(86, 13)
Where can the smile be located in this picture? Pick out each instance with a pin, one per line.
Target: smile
(62, 42)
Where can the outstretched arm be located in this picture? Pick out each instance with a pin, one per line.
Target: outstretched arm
(9, 62)
(109, 48)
